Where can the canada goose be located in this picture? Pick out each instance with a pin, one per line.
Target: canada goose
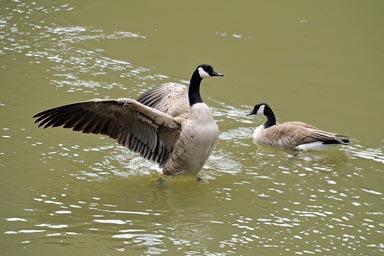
(292, 135)
(165, 124)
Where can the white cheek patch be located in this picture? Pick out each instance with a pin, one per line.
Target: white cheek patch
(203, 73)
(260, 111)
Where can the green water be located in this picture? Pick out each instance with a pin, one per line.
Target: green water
(67, 193)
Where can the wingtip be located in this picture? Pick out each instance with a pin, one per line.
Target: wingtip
(345, 141)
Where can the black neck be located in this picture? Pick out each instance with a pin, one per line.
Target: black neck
(194, 88)
(271, 119)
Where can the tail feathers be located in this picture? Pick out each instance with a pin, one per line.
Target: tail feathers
(345, 141)
(329, 138)
(339, 139)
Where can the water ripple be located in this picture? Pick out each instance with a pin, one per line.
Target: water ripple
(375, 154)
(73, 66)
(258, 198)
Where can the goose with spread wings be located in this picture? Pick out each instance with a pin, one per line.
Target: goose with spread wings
(168, 124)
(292, 135)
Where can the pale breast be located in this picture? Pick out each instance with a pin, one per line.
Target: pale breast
(258, 134)
(197, 139)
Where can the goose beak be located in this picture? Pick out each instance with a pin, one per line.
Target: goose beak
(215, 73)
(252, 113)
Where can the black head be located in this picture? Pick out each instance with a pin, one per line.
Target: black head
(260, 109)
(206, 70)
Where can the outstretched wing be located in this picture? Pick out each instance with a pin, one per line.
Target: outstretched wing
(170, 98)
(142, 129)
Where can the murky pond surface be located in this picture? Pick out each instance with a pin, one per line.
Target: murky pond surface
(67, 193)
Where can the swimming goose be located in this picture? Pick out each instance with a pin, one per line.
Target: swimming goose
(166, 124)
(292, 135)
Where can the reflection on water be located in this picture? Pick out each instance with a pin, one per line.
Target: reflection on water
(147, 227)
(96, 197)
(255, 197)
(375, 154)
(72, 66)
(301, 203)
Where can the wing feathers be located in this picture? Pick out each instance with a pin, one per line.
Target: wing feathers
(292, 134)
(330, 138)
(170, 98)
(142, 129)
